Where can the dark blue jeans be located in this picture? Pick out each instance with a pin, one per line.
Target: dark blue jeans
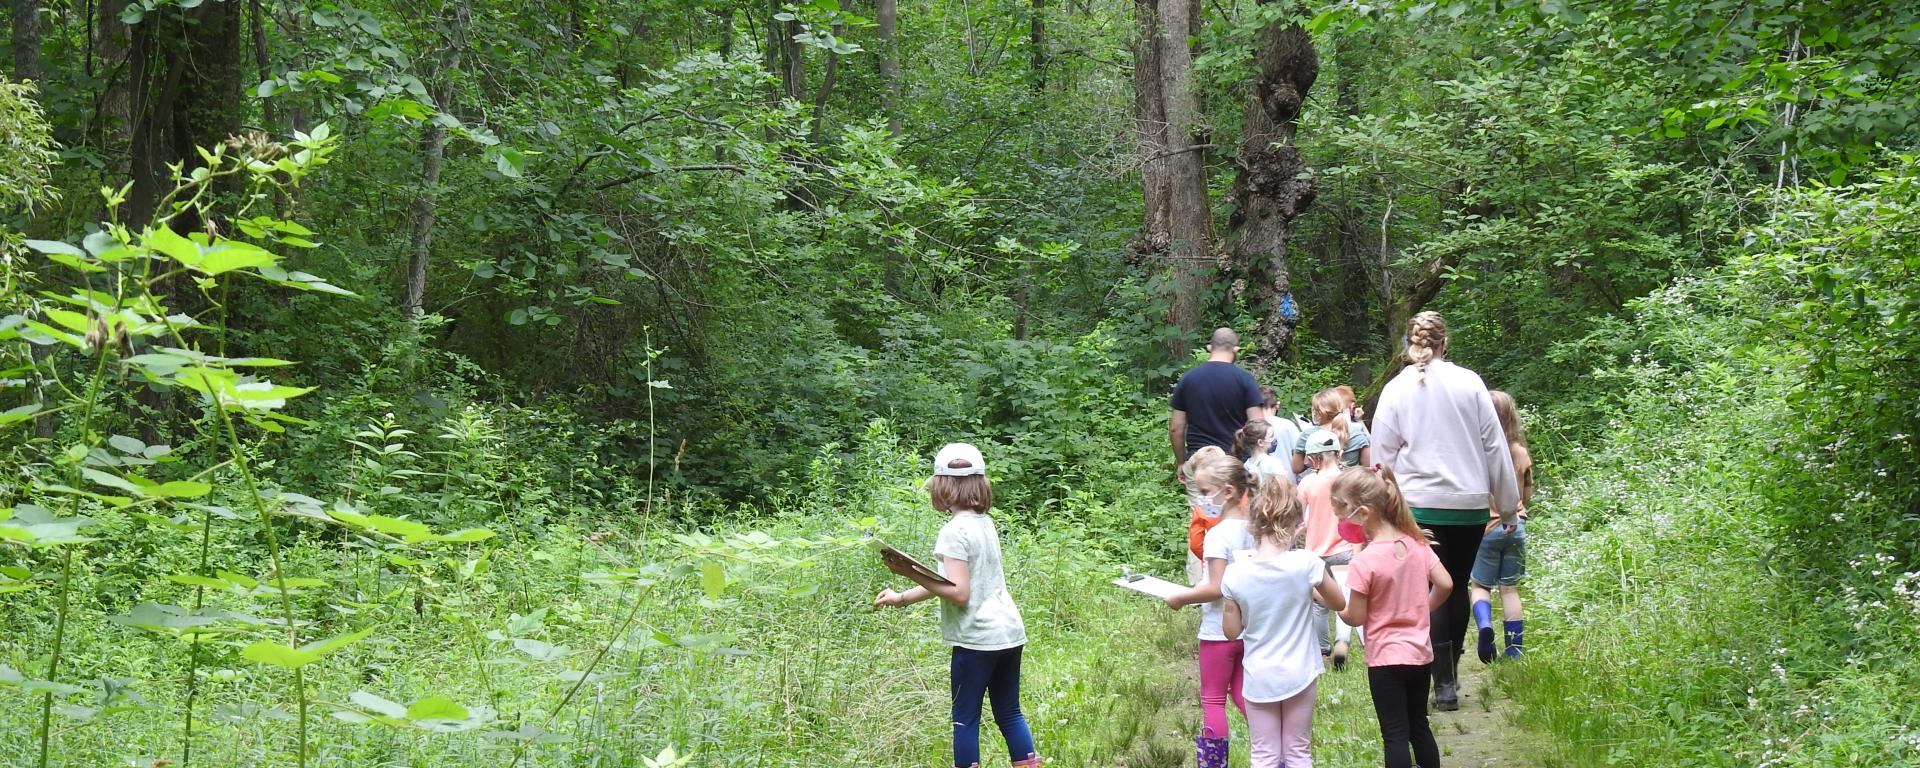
(975, 675)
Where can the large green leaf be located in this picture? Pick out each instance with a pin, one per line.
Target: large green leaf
(269, 652)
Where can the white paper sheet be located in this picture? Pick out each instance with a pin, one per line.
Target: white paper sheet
(1148, 585)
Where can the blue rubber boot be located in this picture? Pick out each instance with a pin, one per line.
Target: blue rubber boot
(1514, 637)
(1483, 617)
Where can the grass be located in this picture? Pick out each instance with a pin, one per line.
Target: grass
(822, 678)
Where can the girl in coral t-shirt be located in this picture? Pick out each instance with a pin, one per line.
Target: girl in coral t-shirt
(1396, 583)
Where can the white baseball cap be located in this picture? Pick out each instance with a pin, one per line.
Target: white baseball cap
(1321, 441)
(958, 452)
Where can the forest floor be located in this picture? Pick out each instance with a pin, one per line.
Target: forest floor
(1479, 734)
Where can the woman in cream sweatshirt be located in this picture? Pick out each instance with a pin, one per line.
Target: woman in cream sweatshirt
(1435, 427)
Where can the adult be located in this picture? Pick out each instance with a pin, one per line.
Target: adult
(1210, 403)
(1436, 428)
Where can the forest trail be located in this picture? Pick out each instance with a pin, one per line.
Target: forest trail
(1478, 735)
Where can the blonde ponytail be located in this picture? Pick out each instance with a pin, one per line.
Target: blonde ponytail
(1275, 514)
(1330, 412)
(1375, 487)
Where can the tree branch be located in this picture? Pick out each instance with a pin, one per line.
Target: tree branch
(638, 175)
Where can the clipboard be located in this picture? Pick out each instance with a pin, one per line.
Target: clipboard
(918, 567)
(1148, 585)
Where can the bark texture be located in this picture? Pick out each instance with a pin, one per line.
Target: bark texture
(886, 18)
(433, 152)
(26, 40)
(1273, 185)
(1177, 226)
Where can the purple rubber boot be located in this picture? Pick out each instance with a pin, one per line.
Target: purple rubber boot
(1209, 752)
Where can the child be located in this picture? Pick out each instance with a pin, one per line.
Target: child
(1396, 583)
(1254, 443)
(977, 614)
(1269, 598)
(1502, 560)
(1330, 412)
(1285, 430)
(1356, 415)
(1323, 533)
(1221, 486)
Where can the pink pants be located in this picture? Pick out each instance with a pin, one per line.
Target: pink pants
(1220, 674)
(1282, 731)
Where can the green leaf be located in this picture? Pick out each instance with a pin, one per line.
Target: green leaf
(268, 652)
(540, 650)
(713, 579)
(436, 707)
(179, 489)
(466, 535)
(51, 247)
(230, 255)
(377, 704)
(111, 480)
(172, 245)
(193, 580)
(72, 320)
(20, 414)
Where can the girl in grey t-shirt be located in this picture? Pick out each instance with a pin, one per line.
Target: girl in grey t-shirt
(977, 614)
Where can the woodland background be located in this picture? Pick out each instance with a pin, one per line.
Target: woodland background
(616, 321)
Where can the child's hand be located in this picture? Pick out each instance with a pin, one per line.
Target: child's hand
(886, 598)
(1174, 602)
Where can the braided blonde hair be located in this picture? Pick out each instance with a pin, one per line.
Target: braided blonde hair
(1426, 340)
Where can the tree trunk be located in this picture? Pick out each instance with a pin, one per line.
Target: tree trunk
(1037, 40)
(26, 41)
(1273, 186)
(185, 81)
(433, 148)
(793, 61)
(298, 119)
(885, 17)
(819, 131)
(255, 20)
(1178, 224)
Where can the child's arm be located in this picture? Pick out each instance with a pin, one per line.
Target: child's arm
(956, 570)
(1442, 586)
(909, 597)
(1355, 614)
(1205, 593)
(1231, 623)
(1329, 592)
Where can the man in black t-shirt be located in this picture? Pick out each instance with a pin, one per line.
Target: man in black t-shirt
(1210, 404)
(1212, 401)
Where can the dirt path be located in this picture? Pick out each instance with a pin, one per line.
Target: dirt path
(1478, 734)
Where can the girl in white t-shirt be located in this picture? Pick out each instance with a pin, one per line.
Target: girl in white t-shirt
(1269, 595)
(1220, 485)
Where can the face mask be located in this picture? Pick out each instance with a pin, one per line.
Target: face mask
(1353, 534)
(1207, 505)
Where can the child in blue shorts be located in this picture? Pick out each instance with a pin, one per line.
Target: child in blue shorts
(1502, 560)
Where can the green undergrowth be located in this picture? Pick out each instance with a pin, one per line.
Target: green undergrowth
(1729, 577)
(782, 662)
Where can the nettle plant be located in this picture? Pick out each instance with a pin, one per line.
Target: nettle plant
(117, 321)
(112, 329)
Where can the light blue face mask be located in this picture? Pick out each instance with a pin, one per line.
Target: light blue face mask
(1207, 505)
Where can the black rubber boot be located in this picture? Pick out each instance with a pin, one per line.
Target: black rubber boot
(1446, 683)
